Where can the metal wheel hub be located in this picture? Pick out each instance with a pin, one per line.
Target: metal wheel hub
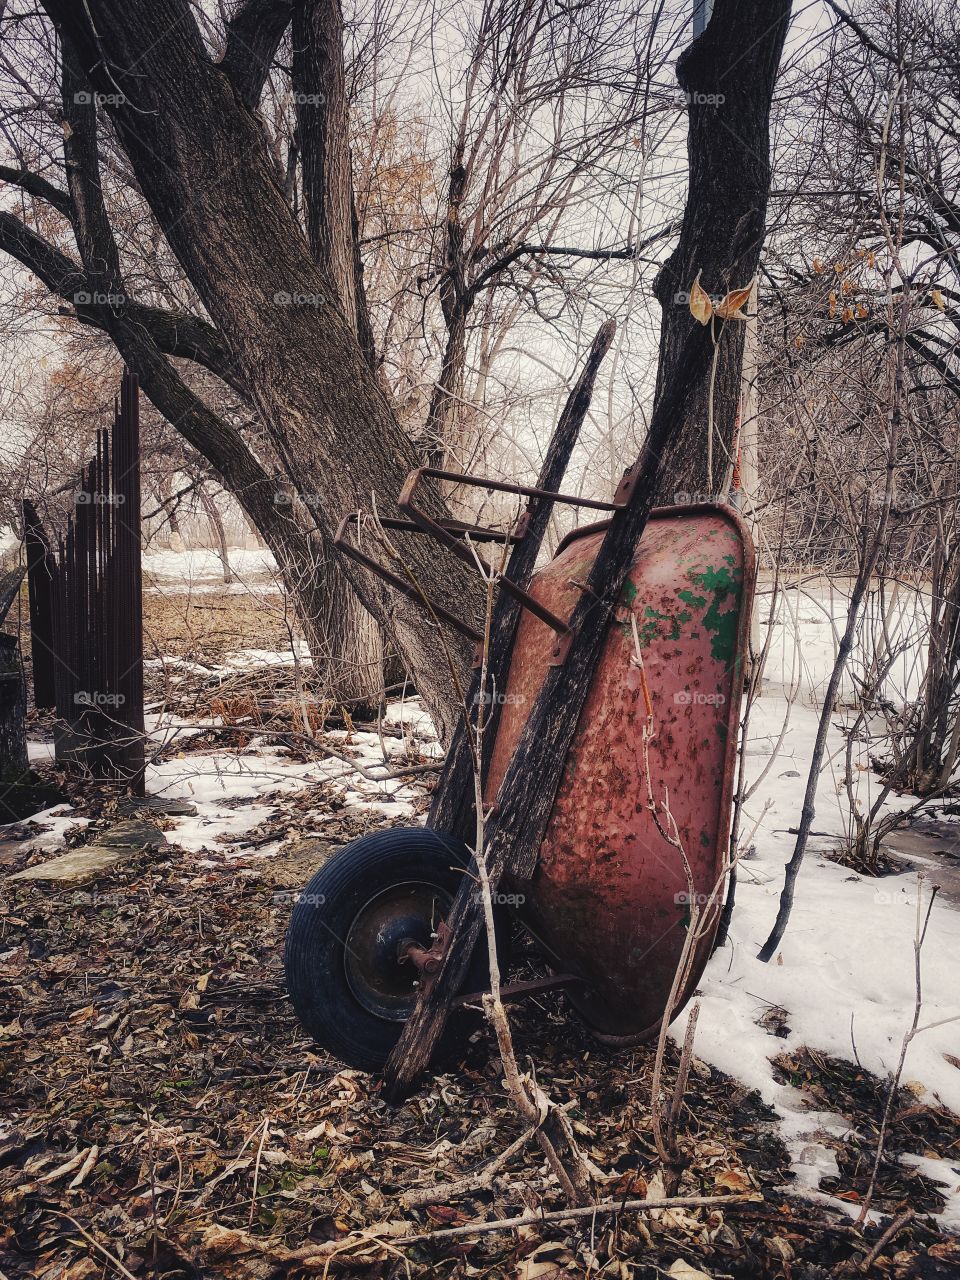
(381, 978)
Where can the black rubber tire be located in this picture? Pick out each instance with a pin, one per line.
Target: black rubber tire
(342, 894)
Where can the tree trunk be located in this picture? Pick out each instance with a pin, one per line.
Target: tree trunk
(352, 641)
(199, 157)
(727, 148)
(215, 521)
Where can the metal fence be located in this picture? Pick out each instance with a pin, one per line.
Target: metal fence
(86, 609)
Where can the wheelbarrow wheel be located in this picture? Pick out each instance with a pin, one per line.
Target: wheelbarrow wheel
(347, 980)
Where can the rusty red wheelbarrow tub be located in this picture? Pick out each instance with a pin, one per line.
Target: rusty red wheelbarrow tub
(637, 840)
(655, 746)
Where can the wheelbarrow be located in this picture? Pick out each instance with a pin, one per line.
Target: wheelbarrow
(636, 843)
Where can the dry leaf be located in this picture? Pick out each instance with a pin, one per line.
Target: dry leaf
(684, 1271)
(732, 306)
(733, 1180)
(545, 1263)
(701, 308)
(781, 1248)
(937, 299)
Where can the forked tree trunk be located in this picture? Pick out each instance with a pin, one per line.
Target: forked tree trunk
(198, 154)
(350, 640)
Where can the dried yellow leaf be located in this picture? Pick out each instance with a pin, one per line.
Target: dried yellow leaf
(732, 305)
(937, 298)
(701, 308)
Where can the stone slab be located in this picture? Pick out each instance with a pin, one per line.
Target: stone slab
(76, 866)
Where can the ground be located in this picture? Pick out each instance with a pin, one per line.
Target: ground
(163, 1114)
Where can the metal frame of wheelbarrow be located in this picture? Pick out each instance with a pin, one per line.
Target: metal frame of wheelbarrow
(452, 534)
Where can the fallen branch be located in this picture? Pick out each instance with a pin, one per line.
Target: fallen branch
(894, 1229)
(480, 1180)
(582, 1211)
(222, 1241)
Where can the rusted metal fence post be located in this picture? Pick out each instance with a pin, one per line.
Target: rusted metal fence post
(41, 569)
(94, 586)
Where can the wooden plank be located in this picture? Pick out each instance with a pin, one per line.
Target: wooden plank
(452, 807)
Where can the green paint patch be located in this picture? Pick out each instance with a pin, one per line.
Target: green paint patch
(692, 599)
(650, 628)
(711, 599)
(722, 583)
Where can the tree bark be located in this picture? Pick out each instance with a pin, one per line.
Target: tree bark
(724, 74)
(354, 649)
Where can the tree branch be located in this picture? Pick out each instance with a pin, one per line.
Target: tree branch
(176, 333)
(34, 185)
(629, 253)
(253, 35)
(860, 33)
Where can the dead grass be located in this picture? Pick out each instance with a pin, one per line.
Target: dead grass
(206, 627)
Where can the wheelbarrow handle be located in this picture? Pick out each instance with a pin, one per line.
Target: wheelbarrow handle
(402, 585)
(453, 533)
